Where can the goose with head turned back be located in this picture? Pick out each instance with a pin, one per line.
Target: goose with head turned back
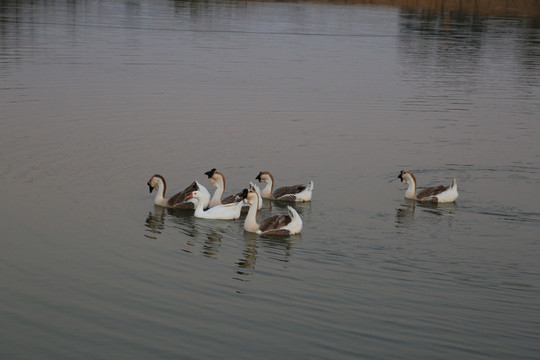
(286, 224)
(180, 200)
(217, 179)
(286, 193)
(218, 212)
(439, 194)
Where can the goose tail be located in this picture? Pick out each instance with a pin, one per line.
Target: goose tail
(205, 194)
(295, 225)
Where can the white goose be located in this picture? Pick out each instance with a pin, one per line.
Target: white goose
(290, 224)
(286, 193)
(219, 212)
(217, 179)
(439, 194)
(180, 200)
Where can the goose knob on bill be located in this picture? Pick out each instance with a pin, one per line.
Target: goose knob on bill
(438, 194)
(286, 193)
(218, 212)
(284, 225)
(180, 200)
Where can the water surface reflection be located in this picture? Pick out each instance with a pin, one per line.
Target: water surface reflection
(438, 213)
(96, 94)
(446, 8)
(210, 235)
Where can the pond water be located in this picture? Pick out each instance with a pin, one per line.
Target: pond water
(97, 96)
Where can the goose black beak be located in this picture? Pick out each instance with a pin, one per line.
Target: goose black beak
(244, 196)
(150, 187)
(258, 177)
(210, 173)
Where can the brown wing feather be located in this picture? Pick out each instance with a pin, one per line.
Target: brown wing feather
(179, 200)
(431, 191)
(184, 206)
(277, 232)
(232, 198)
(294, 189)
(274, 222)
(288, 198)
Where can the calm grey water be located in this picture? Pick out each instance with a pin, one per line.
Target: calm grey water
(97, 96)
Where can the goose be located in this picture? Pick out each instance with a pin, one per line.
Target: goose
(180, 200)
(219, 212)
(287, 193)
(217, 179)
(439, 194)
(285, 224)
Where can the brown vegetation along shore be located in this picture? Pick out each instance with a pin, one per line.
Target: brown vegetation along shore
(528, 8)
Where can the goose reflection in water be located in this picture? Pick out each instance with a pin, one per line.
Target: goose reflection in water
(211, 245)
(304, 209)
(405, 214)
(157, 220)
(206, 237)
(276, 248)
(161, 218)
(249, 255)
(155, 223)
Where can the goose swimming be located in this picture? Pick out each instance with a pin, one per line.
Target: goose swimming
(286, 193)
(440, 194)
(217, 179)
(180, 200)
(219, 212)
(286, 224)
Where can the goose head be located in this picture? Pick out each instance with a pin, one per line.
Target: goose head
(406, 177)
(155, 182)
(214, 176)
(210, 175)
(264, 176)
(195, 195)
(250, 197)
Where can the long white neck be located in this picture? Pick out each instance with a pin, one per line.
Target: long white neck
(160, 193)
(258, 191)
(250, 224)
(410, 193)
(199, 207)
(220, 189)
(267, 190)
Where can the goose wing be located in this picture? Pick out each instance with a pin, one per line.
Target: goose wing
(288, 190)
(179, 201)
(275, 222)
(431, 191)
(232, 198)
(278, 232)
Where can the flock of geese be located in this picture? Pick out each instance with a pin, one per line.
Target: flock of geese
(197, 197)
(250, 200)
